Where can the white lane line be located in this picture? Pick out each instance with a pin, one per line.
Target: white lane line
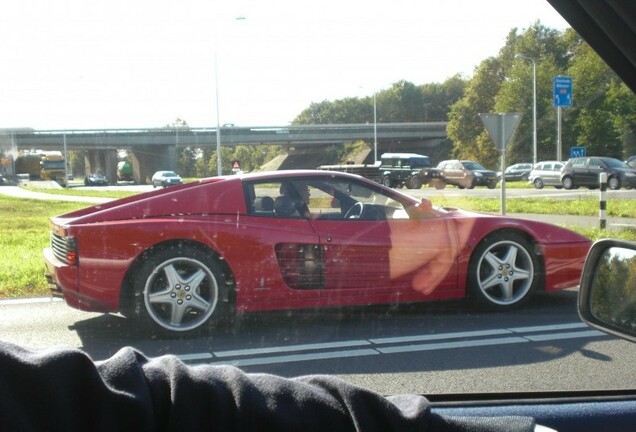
(456, 335)
(516, 335)
(299, 357)
(565, 335)
(8, 302)
(565, 326)
(195, 356)
(451, 345)
(289, 348)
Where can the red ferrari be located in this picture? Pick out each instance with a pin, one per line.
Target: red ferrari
(189, 256)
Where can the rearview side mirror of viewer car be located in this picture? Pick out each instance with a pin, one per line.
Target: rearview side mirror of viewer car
(607, 294)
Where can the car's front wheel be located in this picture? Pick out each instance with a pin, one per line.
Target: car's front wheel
(179, 290)
(503, 271)
(614, 183)
(538, 183)
(414, 183)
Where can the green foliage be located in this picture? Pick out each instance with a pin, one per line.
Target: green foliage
(602, 118)
(402, 102)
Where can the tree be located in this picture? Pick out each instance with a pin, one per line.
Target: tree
(465, 128)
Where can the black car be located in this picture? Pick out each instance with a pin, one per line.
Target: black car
(409, 169)
(585, 171)
(519, 171)
(95, 179)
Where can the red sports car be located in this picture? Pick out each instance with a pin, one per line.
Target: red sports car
(185, 257)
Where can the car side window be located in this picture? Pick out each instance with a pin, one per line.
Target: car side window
(579, 163)
(595, 163)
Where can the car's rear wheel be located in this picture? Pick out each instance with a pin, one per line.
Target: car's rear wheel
(179, 290)
(568, 183)
(503, 271)
(538, 183)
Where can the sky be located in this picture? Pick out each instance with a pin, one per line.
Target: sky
(77, 64)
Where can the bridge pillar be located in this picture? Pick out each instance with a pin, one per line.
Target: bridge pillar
(147, 159)
(104, 160)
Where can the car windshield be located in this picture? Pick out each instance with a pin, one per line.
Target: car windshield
(244, 216)
(420, 162)
(473, 166)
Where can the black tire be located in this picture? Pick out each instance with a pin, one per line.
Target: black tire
(386, 181)
(180, 290)
(614, 183)
(568, 183)
(503, 271)
(414, 183)
(538, 183)
(491, 185)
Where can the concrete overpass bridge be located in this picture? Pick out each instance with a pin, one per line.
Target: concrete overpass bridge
(156, 149)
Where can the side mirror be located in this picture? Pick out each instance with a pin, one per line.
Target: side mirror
(607, 294)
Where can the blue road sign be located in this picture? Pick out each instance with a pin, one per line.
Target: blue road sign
(577, 152)
(562, 91)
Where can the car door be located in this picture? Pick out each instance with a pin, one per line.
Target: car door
(383, 253)
(594, 168)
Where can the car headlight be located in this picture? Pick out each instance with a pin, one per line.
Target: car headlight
(478, 174)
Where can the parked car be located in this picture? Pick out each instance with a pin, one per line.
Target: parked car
(585, 171)
(166, 178)
(365, 244)
(96, 179)
(517, 172)
(409, 169)
(546, 173)
(467, 174)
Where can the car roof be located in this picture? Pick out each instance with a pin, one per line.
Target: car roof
(402, 155)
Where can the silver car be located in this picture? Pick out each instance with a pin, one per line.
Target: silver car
(546, 173)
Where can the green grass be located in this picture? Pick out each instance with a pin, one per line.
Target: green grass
(94, 192)
(24, 228)
(577, 207)
(25, 232)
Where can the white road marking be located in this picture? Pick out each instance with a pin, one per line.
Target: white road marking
(299, 357)
(395, 345)
(305, 347)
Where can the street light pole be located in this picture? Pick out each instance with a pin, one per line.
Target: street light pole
(534, 106)
(375, 130)
(219, 160)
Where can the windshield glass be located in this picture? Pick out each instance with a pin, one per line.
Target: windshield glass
(285, 246)
(473, 166)
(420, 163)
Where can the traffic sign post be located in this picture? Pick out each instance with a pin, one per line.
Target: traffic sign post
(562, 97)
(562, 87)
(501, 127)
